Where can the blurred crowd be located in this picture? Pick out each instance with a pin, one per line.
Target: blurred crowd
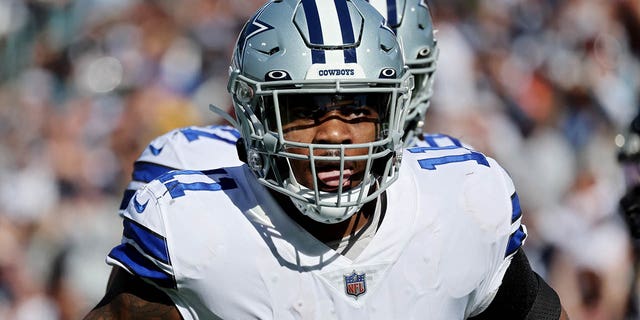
(545, 87)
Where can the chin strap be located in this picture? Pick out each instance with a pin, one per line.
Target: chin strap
(322, 213)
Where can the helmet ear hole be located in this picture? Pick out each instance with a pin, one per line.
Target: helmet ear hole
(424, 52)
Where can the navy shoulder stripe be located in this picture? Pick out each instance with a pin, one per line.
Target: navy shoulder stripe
(515, 241)
(149, 241)
(128, 194)
(146, 171)
(136, 263)
(516, 210)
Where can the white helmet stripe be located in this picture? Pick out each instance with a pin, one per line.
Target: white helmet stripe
(334, 30)
(346, 28)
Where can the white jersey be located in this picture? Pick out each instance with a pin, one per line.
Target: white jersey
(220, 246)
(193, 148)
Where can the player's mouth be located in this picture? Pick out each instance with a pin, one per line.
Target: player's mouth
(329, 178)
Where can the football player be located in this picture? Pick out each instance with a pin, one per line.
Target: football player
(210, 147)
(328, 218)
(411, 21)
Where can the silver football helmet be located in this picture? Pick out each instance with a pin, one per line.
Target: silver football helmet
(297, 59)
(412, 23)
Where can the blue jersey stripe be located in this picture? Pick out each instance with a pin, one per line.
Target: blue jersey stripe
(346, 28)
(177, 189)
(314, 28)
(515, 241)
(431, 163)
(128, 194)
(133, 260)
(515, 205)
(430, 141)
(150, 242)
(146, 171)
(232, 131)
(215, 171)
(423, 149)
(172, 174)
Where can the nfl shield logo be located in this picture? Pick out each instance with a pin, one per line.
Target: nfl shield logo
(355, 284)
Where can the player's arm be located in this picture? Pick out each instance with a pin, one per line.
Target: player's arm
(523, 294)
(129, 297)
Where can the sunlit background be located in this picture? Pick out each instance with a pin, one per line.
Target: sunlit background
(546, 87)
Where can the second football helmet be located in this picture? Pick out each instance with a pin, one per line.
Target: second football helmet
(411, 21)
(298, 54)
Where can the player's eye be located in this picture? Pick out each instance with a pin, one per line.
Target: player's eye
(355, 111)
(305, 113)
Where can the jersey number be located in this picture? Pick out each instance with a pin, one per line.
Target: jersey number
(177, 188)
(193, 134)
(431, 163)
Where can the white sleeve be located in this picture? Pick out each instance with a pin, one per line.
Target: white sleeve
(192, 148)
(506, 248)
(143, 250)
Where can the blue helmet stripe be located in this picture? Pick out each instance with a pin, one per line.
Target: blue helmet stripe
(314, 28)
(392, 14)
(346, 27)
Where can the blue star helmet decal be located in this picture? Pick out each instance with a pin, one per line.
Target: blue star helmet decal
(252, 28)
